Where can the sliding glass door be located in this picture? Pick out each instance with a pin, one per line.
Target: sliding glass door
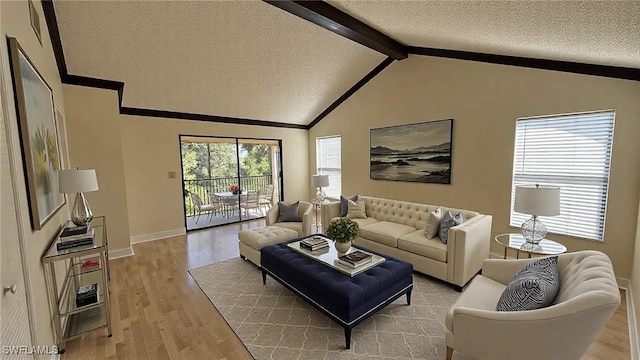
(228, 180)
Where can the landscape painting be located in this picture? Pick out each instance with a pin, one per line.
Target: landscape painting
(415, 152)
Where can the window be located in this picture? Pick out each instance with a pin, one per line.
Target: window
(328, 162)
(574, 153)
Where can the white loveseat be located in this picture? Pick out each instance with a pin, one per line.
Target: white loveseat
(396, 228)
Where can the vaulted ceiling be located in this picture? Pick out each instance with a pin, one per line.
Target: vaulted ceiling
(252, 60)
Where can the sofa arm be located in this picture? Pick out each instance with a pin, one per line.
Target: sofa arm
(307, 218)
(502, 270)
(272, 215)
(330, 211)
(574, 322)
(467, 248)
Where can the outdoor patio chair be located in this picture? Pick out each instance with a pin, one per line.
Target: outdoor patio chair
(251, 201)
(266, 198)
(200, 207)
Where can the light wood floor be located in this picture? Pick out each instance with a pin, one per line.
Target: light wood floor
(159, 312)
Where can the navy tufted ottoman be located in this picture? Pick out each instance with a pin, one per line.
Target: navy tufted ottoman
(346, 300)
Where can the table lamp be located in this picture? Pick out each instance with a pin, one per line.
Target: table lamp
(79, 181)
(536, 200)
(320, 181)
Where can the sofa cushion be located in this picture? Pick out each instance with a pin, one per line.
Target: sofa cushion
(417, 243)
(432, 226)
(385, 232)
(482, 294)
(344, 204)
(365, 222)
(533, 287)
(448, 221)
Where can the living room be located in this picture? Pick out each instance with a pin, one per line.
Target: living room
(132, 154)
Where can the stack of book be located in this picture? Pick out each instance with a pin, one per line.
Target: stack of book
(87, 295)
(90, 264)
(314, 243)
(355, 259)
(73, 236)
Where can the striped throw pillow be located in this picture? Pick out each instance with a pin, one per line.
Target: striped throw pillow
(535, 286)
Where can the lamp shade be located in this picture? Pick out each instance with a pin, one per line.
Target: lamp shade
(537, 200)
(77, 181)
(320, 181)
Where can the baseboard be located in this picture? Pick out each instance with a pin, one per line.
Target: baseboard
(157, 236)
(631, 318)
(120, 253)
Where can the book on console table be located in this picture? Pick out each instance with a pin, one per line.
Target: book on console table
(87, 233)
(355, 259)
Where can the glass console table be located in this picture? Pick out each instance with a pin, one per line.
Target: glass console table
(518, 243)
(69, 319)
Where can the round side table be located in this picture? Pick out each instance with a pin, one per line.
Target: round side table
(518, 243)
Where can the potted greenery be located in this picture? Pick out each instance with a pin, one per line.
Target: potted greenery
(342, 231)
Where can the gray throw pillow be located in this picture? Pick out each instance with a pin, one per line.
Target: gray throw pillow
(344, 204)
(535, 286)
(288, 213)
(448, 221)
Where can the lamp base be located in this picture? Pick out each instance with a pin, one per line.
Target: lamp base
(533, 230)
(81, 212)
(320, 195)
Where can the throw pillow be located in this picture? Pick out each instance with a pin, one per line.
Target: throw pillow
(432, 226)
(344, 206)
(535, 286)
(356, 210)
(288, 213)
(448, 221)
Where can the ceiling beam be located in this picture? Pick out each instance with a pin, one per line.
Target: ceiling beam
(343, 24)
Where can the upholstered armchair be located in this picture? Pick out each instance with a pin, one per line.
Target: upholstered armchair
(587, 297)
(305, 211)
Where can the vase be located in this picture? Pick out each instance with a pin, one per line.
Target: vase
(342, 247)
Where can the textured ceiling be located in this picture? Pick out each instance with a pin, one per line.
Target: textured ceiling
(248, 59)
(596, 32)
(244, 59)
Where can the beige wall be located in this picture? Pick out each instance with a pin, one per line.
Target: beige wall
(15, 23)
(635, 278)
(134, 154)
(485, 100)
(93, 133)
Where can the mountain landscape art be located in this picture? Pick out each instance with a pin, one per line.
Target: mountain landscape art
(415, 152)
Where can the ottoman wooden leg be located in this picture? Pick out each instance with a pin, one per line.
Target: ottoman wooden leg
(347, 337)
(409, 297)
(264, 277)
(449, 353)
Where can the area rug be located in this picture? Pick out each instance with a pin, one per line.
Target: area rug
(276, 324)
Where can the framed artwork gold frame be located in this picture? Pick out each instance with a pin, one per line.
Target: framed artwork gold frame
(38, 137)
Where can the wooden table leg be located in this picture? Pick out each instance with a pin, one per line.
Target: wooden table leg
(449, 353)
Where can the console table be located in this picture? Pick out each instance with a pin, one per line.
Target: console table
(69, 319)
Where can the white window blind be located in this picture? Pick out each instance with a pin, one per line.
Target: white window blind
(574, 153)
(328, 161)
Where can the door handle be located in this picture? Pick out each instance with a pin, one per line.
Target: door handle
(12, 289)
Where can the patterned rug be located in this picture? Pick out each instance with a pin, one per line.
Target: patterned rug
(276, 324)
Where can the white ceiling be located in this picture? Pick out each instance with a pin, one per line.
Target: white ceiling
(594, 32)
(244, 59)
(249, 59)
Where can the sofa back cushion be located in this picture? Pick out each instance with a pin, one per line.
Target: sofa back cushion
(406, 213)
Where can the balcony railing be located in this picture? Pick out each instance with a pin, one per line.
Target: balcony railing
(206, 187)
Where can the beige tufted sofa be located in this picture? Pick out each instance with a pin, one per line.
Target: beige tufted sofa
(587, 297)
(396, 228)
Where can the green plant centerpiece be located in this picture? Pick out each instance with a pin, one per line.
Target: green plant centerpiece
(342, 231)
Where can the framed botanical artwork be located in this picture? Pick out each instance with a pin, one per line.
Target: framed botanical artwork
(414, 152)
(38, 137)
